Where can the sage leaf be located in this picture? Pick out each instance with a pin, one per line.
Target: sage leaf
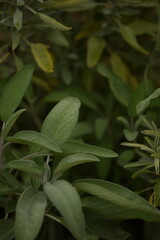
(5, 187)
(61, 120)
(95, 47)
(7, 229)
(66, 199)
(116, 84)
(34, 138)
(14, 91)
(145, 103)
(42, 57)
(11, 122)
(51, 22)
(26, 165)
(77, 147)
(17, 19)
(118, 200)
(29, 214)
(73, 160)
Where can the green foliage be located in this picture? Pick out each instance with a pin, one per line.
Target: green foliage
(96, 61)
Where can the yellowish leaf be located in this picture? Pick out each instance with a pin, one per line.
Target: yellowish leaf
(42, 57)
(95, 47)
(121, 70)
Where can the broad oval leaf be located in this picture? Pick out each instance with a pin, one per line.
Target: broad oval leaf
(26, 166)
(66, 199)
(73, 160)
(7, 229)
(77, 147)
(61, 120)
(119, 199)
(14, 91)
(42, 57)
(34, 138)
(120, 90)
(51, 22)
(10, 122)
(95, 47)
(5, 187)
(144, 103)
(29, 214)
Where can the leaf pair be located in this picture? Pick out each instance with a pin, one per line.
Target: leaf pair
(31, 207)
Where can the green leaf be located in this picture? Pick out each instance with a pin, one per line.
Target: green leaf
(7, 229)
(86, 98)
(116, 84)
(144, 103)
(100, 127)
(51, 22)
(130, 135)
(5, 187)
(20, 2)
(29, 214)
(73, 160)
(14, 91)
(25, 166)
(82, 128)
(136, 97)
(34, 138)
(61, 120)
(11, 122)
(143, 27)
(70, 4)
(58, 38)
(130, 38)
(106, 230)
(15, 40)
(77, 147)
(95, 47)
(66, 199)
(42, 57)
(122, 71)
(17, 19)
(55, 96)
(11, 179)
(118, 200)
(156, 193)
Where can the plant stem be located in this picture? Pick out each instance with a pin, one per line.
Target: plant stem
(54, 218)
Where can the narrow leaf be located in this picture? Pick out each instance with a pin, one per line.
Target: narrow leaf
(17, 19)
(11, 122)
(130, 38)
(26, 166)
(5, 187)
(14, 91)
(51, 22)
(34, 138)
(95, 47)
(77, 147)
(61, 120)
(144, 103)
(116, 84)
(120, 200)
(29, 214)
(66, 199)
(42, 57)
(7, 229)
(73, 160)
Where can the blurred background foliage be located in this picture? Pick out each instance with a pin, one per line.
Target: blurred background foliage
(106, 53)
